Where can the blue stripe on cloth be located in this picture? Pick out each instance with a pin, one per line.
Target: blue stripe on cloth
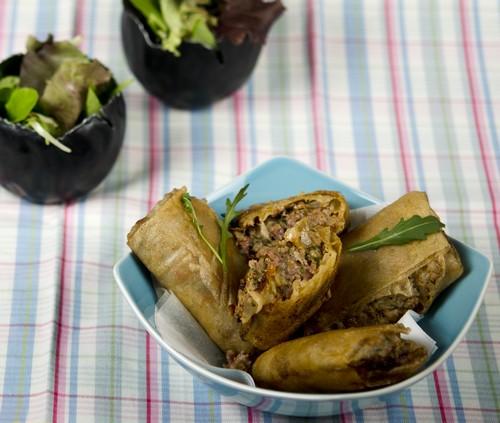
(279, 90)
(117, 305)
(13, 17)
(203, 182)
(18, 365)
(357, 411)
(267, 417)
(457, 398)
(46, 19)
(444, 137)
(361, 105)
(406, 396)
(21, 342)
(203, 394)
(409, 98)
(326, 89)
(251, 121)
(484, 82)
(165, 385)
(202, 147)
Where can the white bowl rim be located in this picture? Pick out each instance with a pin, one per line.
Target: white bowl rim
(293, 396)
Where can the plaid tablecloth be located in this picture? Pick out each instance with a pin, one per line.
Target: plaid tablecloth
(388, 96)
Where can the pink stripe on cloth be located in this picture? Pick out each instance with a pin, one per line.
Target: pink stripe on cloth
(345, 417)
(151, 368)
(443, 397)
(61, 335)
(79, 15)
(320, 157)
(478, 114)
(397, 100)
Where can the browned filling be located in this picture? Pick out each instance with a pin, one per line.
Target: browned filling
(390, 308)
(387, 358)
(271, 256)
(274, 227)
(240, 361)
(285, 262)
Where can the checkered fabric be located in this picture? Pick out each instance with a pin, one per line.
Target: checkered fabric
(388, 96)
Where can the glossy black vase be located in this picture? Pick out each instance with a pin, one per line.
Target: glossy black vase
(195, 79)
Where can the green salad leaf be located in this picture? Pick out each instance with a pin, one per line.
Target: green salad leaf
(122, 86)
(201, 33)
(7, 85)
(150, 11)
(92, 104)
(57, 86)
(405, 231)
(44, 58)
(21, 102)
(175, 21)
(46, 127)
(65, 94)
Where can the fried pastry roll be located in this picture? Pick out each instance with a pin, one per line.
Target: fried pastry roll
(293, 251)
(341, 360)
(167, 243)
(379, 286)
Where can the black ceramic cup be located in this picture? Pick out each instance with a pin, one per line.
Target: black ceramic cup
(43, 173)
(195, 79)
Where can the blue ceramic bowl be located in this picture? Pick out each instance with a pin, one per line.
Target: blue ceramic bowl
(447, 321)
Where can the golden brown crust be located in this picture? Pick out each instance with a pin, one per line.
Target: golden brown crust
(274, 301)
(264, 210)
(167, 243)
(379, 286)
(340, 361)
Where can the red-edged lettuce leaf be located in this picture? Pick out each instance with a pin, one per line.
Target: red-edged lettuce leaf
(253, 18)
(42, 60)
(65, 93)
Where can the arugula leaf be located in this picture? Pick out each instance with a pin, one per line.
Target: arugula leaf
(405, 231)
(120, 87)
(21, 102)
(7, 85)
(92, 103)
(188, 206)
(46, 127)
(230, 214)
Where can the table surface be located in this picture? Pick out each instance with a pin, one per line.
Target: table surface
(388, 96)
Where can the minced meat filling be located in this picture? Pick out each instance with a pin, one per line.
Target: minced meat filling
(285, 260)
(241, 361)
(274, 227)
(390, 308)
(378, 356)
(273, 257)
